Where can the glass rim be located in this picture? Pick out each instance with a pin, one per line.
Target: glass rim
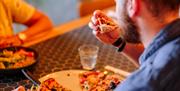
(88, 45)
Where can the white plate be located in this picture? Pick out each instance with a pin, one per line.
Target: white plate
(68, 79)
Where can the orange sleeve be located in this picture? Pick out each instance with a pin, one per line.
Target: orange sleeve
(20, 10)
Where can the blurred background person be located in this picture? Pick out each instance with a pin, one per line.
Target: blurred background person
(18, 11)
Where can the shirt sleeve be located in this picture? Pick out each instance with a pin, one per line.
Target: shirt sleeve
(138, 81)
(160, 72)
(20, 10)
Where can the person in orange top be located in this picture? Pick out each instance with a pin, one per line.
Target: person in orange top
(18, 11)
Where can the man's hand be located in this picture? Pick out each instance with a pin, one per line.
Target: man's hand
(10, 41)
(98, 22)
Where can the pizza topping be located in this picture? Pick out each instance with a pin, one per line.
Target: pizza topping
(98, 81)
(51, 85)
(106, 25)
(47, 85)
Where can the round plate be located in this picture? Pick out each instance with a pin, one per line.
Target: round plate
(68, 79)
(16, 48)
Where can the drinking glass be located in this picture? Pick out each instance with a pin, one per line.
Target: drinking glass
(88, 56)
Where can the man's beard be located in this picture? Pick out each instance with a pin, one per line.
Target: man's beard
(130, 30)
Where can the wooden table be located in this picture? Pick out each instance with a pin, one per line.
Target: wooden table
(58, 30)
(65, 28)
(57, 50)
(62, 29)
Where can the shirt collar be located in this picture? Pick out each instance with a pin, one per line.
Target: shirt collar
(167, 34)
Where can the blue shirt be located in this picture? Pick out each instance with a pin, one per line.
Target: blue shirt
(159, 64)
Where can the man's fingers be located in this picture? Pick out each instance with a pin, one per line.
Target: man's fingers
(99, 14)
(92, 26)
(96, 33)
(94, 20)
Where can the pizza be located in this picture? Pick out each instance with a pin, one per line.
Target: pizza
(47, 85)
(88, 81)
(99, 81)
(106, 25)
(51, 85)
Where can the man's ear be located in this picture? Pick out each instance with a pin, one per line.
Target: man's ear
(133, 7)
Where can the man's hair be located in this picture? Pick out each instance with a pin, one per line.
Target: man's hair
(161, 7)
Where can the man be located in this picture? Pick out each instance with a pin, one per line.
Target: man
(20, 12)
(156, 24)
